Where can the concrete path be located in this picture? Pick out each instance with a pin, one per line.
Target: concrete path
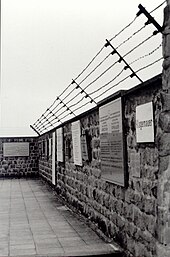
(34, 223)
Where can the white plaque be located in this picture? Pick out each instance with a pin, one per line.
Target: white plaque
(16, 149)
(111, 142)
(49, 146)
(144, 123)
(77, 155)
(135, 164)
(53, 159)
(46, 147)
(60, 145)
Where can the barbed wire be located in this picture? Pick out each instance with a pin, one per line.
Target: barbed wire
(95, 68)
(112, 86)
(146, 55)
(157, 7)
(130, 37)
(134, 48)
(97, 90)
(127, 77)
(127, 26)
(90, 62)
(50, 117)
(148, 65)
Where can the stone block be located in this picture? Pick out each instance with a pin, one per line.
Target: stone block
(129, 195)
(166, 51)
(150, 205)
(96, 172)
(165, 101)
(164, 121)
(164, 144)
(139, 219)
(95, 143)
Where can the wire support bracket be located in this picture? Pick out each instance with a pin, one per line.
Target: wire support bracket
(150, 19)
(83, 91)
(58, 120)
(127, 66)
(48, 120)
(68, 109)
(35, 130)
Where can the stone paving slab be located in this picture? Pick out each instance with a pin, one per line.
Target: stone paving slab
(34, 223)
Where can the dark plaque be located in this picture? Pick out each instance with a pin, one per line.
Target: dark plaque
(111, 142)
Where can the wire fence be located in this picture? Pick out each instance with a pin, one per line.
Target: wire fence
(109, 70)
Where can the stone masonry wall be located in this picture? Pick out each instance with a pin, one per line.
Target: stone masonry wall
(19, 166)
(127, 215)
(163, 247)
(45, 160)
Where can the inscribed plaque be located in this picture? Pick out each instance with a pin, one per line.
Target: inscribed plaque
(144, 123)
(53, 159)
(77, 155)
(16, 149)
(135, 164)
(84, 148)
(60, 145)
(111, 142)
(49, 146)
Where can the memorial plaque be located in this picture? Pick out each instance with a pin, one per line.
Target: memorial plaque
(16, 149)
(135, 164)
(53, 159)
(112, 143)
(144, 123)
(77, 154)
(46, 148)
(49, 146)
(60, 145)
(84, 148)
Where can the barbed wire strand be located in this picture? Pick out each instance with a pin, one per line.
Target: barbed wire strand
(97, 90)
(158, 7)
(90, 62)
(128, 25)
(134, 48)
(76, 109)
(150, 64)
(95, 68)
(112, 86)
(146, 55)
(130, 37)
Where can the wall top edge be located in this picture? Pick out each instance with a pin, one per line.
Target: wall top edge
(18, 137)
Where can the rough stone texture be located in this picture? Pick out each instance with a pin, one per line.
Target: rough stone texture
(19, 166)
(163, 245)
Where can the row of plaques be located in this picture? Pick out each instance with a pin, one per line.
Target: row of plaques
(112, 140)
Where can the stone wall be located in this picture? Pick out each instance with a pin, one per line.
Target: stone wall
(163, 247)
(45, 160)
(26, 166)
(129, 215)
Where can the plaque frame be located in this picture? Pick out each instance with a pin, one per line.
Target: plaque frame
(123, 169)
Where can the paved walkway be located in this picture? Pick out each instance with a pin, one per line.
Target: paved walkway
(34, 223)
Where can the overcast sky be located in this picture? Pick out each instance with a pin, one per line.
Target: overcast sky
(45, 44)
